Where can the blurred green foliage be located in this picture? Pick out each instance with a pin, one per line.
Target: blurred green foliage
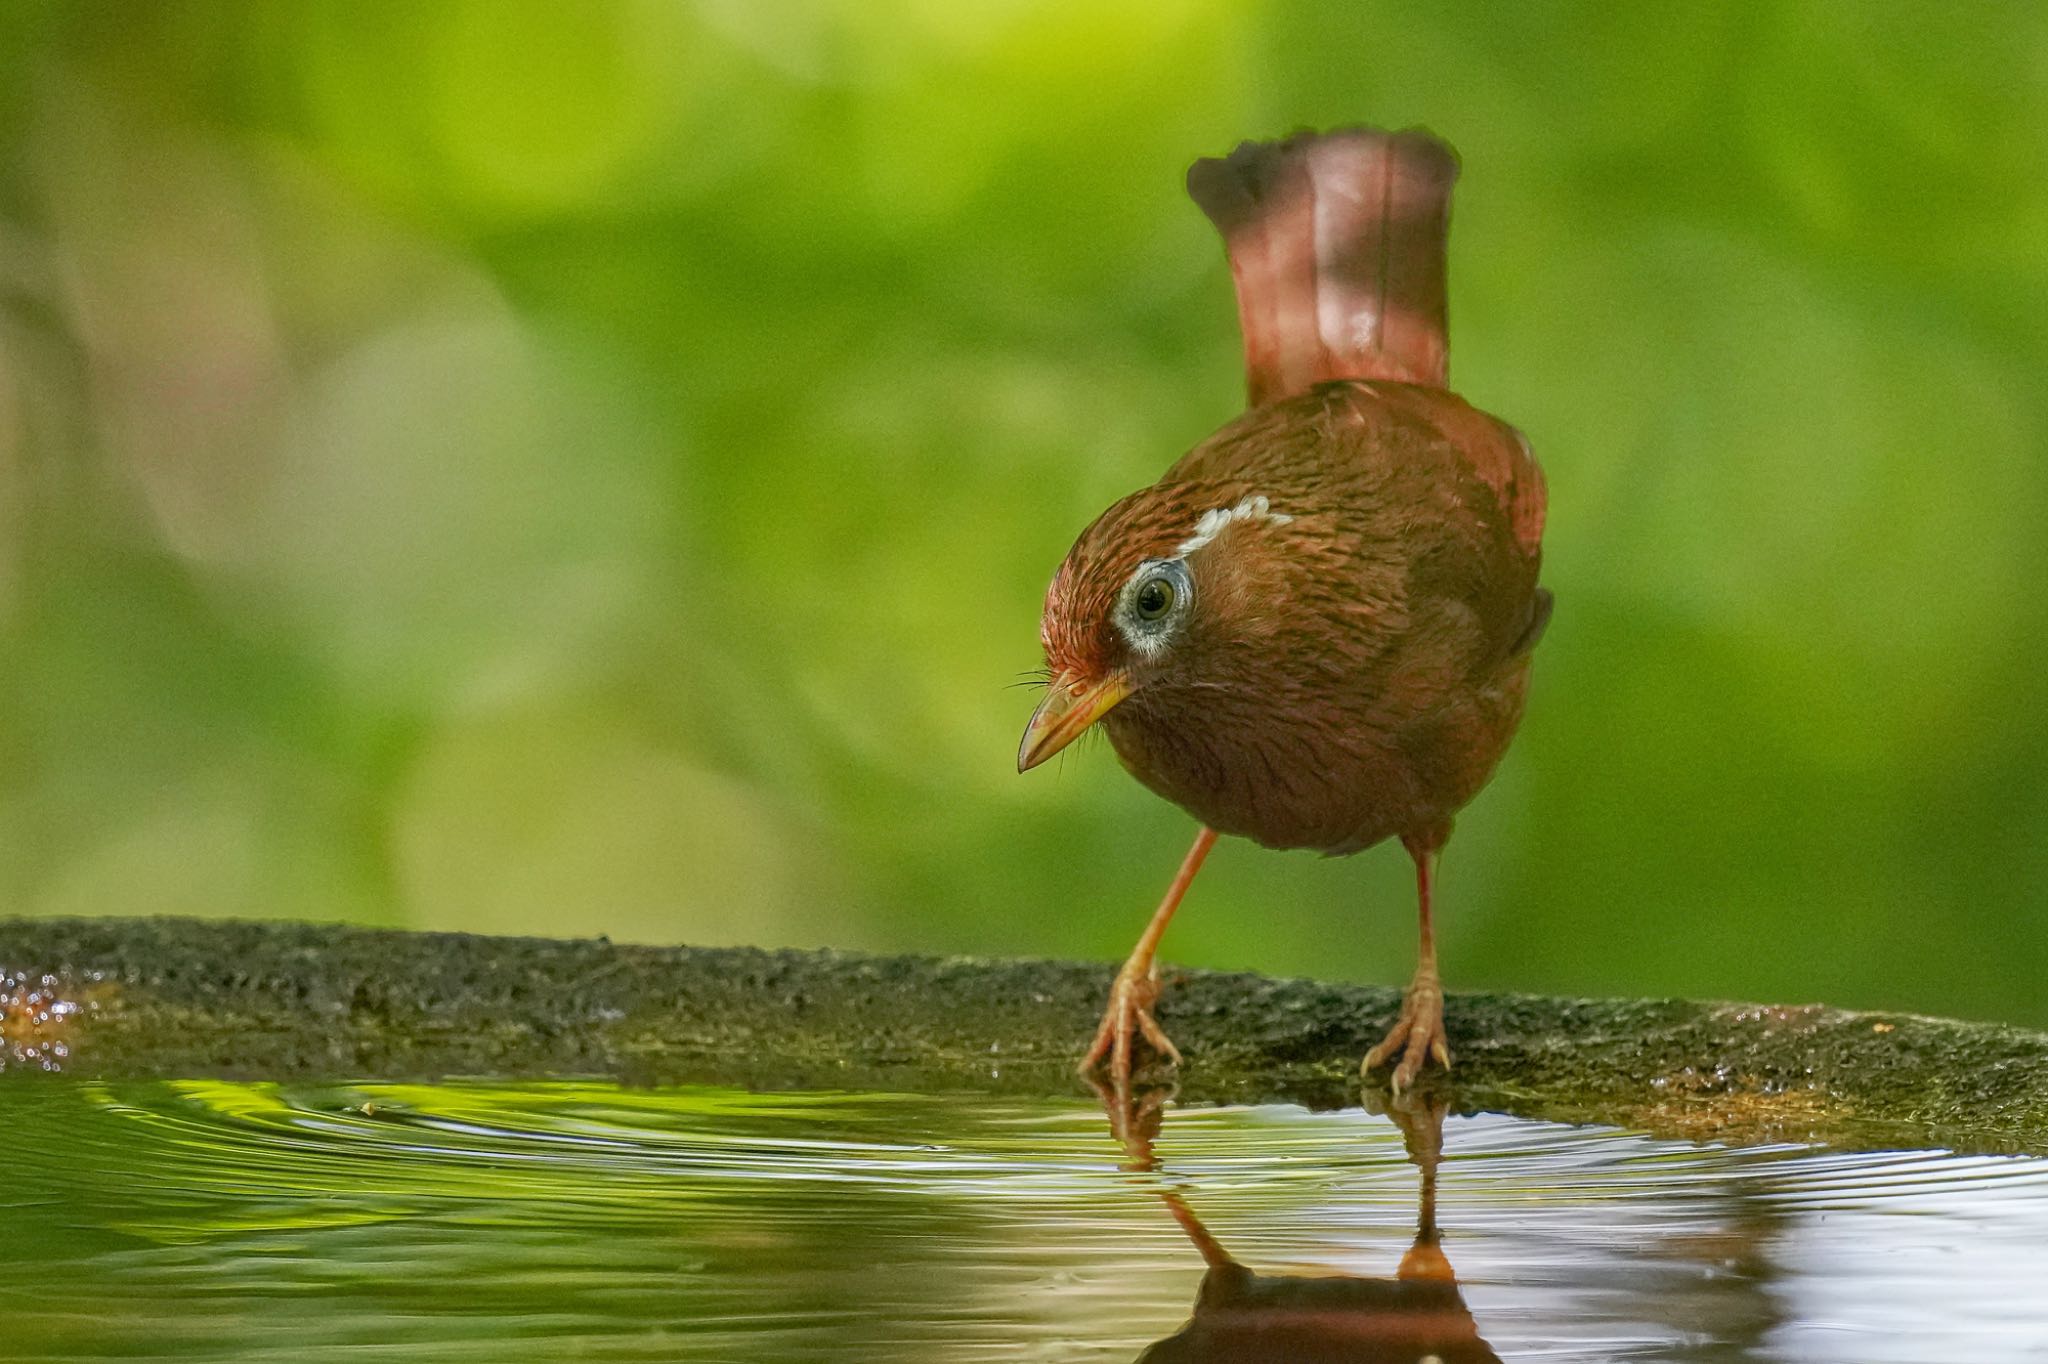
(592, 468)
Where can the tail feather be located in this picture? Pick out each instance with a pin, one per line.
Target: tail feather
(1337, 248)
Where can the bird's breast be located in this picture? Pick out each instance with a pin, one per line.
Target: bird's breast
(1335, 775)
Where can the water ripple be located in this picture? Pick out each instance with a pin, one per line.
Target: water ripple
(220, 1221)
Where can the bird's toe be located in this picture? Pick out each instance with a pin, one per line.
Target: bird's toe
(1128, 1017)
(1415, 1038)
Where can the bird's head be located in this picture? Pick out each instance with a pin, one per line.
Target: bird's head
(1146, 596)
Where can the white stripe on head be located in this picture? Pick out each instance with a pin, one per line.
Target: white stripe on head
(1213, 523)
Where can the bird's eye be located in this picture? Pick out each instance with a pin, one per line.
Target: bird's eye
(1154, 599)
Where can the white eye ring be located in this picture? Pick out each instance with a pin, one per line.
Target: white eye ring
(1154, 605)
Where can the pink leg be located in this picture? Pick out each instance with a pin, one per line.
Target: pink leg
(1418, 1033)
(1137, 984)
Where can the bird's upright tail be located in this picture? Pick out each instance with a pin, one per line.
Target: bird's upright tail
(1337, 247)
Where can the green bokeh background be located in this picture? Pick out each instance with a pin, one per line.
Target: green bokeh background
(592, 468)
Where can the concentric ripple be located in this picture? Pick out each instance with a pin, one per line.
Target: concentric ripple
(571, 1221)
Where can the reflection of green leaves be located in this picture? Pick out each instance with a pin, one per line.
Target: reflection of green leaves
(238, 1158)
(216, 1221)
(518, 464)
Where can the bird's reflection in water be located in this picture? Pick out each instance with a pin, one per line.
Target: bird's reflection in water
(1414, 1316)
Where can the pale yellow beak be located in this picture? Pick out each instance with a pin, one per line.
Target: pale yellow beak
(1072, 704)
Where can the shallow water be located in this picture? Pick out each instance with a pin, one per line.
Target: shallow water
(571, 1221)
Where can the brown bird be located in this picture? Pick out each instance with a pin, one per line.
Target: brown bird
(1245, 1318)
(1314, 631)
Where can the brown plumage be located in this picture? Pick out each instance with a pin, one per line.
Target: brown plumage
(1314, 630)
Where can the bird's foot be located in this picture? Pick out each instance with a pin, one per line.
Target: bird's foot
(1134, 1117)
(1417, 1036)
(1419, 1114)
(1128, 1016)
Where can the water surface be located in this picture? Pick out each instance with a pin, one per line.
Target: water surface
(574, 1221)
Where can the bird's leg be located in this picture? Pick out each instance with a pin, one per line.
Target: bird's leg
(1421, 1121)
(1418, 1034)
(1137, 984)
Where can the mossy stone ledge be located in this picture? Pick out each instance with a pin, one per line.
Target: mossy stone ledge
(186, 998)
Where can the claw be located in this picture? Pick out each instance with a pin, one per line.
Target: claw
(1417, 1036)
(1129, 1013)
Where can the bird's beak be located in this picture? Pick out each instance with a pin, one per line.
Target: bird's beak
(1073, 704)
